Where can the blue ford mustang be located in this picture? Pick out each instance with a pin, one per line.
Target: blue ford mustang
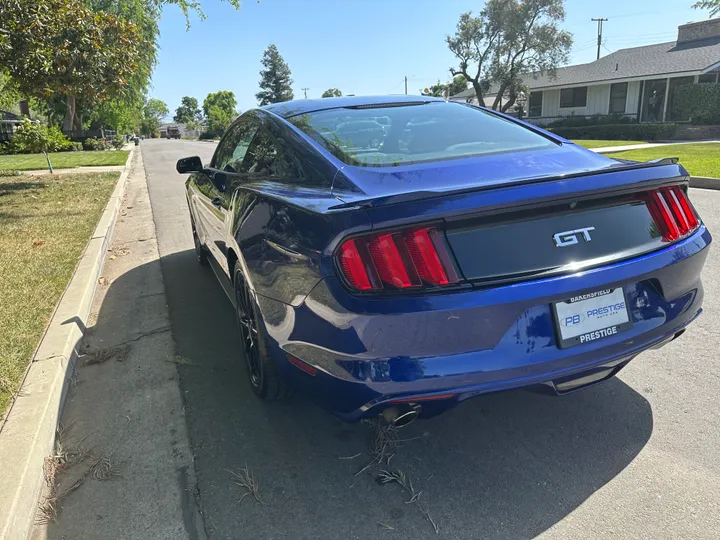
(398, 255)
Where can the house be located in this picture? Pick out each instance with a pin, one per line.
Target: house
(8, 123)
(639, 82)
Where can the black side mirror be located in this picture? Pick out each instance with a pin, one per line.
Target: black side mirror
(189, 164)
(220, 180)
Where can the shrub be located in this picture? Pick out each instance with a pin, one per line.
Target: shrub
(36, 137)
(76, 146)
(58, 141)
(700, 102)
(118, 143)
(206, 135)
(593, 120)
(93, 143)
(621, 132)
(7, 147)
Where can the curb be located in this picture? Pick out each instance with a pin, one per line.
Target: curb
(28, 435)
(704, 182)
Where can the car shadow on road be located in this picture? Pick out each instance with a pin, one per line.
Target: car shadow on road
(507, 465)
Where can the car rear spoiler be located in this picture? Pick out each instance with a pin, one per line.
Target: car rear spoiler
(623, 165)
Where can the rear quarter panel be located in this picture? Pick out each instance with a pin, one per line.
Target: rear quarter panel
(281, 232)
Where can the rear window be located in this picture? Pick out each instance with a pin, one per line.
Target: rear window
(397, 135)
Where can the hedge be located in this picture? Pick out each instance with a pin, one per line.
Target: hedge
(591, 120)
(701, 102)
(619, 132)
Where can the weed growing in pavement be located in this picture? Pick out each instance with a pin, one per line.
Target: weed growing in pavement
(47, 511)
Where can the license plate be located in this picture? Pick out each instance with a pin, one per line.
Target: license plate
(592, 316)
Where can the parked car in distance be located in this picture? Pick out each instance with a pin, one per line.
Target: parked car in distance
(173, 132)
(469, 252)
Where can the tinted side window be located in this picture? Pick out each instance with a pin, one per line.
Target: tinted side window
(270, 157)
(232, 149)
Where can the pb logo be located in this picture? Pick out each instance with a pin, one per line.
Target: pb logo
(572, 320)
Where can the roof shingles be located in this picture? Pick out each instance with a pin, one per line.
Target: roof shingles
(647, 61)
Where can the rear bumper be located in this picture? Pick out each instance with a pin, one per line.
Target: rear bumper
(371, 351)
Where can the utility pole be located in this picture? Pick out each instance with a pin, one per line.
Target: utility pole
(406, 85)
(599, 21)
(305, 91)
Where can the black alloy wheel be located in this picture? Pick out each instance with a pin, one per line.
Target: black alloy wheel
(264, 378)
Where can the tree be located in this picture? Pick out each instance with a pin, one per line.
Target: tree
(275, 79)
(224, 99)
(218, 120)
(509, 38)
(187, 111)
(149, 126)
(193, 125)
(332, 92)
(712, 5)
(36, 137)
(457, 85)
(71, 50)
(9, 94)
(97, 50)
(156, 108)
(121, 115)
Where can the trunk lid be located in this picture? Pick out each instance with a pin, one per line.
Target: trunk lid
(514, 228)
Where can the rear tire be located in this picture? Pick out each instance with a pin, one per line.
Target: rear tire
(265, 380)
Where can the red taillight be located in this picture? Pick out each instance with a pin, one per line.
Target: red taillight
(409, 259)
(388, 262)
(672, 212)
(422, 247)
(353, 266)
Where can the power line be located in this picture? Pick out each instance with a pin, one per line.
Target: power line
(664, 11)
(394, 87)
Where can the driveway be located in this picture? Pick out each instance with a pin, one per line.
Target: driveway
(635, 457)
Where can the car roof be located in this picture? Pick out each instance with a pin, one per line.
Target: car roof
(302, 106)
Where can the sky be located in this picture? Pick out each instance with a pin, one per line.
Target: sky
(364, 47)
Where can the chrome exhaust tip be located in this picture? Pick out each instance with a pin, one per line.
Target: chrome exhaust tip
(401, 415)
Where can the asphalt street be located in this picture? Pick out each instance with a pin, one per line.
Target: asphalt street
(635, 457)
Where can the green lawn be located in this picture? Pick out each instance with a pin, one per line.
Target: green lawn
(63, 160)
(603, 143)
(45, 223)
(699, 159)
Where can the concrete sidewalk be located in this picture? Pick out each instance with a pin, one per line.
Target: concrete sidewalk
(123, 459)
(622, 148)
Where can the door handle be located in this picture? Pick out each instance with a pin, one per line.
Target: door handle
(216, 202)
